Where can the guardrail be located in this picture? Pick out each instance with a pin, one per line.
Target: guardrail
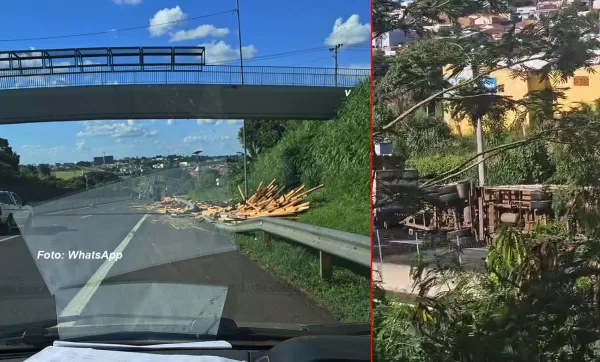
(348, 246)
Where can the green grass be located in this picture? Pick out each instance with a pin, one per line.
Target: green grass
(346, 295)
(340, 214)
(211, 194)
(67, 174)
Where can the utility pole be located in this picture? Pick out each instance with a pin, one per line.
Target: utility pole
(335, 56)
(237, 10)
(103, 158)
(481, 165)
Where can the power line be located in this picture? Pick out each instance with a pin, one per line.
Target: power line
(275, 55)
(116, 30)
(286, 54)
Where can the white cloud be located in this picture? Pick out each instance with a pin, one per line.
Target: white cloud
(220, 52)
(41, 150)
(164, 20)
(80, 144)
(115, 130)
(130, 122)
(350, 32)
(216, 122)
(235, 121)
(170, 122)
(201, 31)
(156, 142)
(195, 139)
(192, 139)
(127, 2)
(357, 66)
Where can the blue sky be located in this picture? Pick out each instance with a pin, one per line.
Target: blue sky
(270, 31)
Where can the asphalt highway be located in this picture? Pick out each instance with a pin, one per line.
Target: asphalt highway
(166, 267)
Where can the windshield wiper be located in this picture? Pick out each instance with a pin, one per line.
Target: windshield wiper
(282, 333)
(45, 332)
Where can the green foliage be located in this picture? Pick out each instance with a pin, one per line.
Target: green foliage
(423, 134)
(529, 164)
(433, 165)
(44, 169)
(262, 135)
(505, 255)
(534, 302)
(394, 336)
(8, 156)
(333, 153)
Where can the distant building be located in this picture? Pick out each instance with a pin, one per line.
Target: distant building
(108, 160)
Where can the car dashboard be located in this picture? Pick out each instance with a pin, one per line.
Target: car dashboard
(300, 349)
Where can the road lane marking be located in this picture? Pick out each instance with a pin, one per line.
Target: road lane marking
(84, 216)
(83, 297)
(10, 237)
(60, 212)
(112, 209)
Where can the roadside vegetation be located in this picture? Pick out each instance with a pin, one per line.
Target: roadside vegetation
(37, 184)
(537, 298)
(333, 153)
(66, 174)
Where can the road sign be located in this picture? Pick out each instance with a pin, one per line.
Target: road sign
(490, 84)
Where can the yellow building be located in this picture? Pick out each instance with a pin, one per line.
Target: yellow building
(584, 87)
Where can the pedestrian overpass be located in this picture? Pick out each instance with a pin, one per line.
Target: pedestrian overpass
(162, 83)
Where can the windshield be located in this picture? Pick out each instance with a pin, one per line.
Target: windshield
(144, 157)
(5, 198)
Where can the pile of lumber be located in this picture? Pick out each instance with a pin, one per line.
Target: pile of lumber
(266, 201)
(169, 206)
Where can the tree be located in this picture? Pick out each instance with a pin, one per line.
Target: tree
(263, 134)
(84, 164)
(44, 169)
(7, 155)
(30, 169)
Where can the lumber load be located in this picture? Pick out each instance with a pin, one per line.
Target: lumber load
(266, 201)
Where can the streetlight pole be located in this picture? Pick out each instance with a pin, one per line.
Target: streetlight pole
(335, 56)
(480, 157)
(237, 10)
(481, 164)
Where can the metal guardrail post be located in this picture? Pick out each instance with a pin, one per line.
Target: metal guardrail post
(267, 236)
(326, 265)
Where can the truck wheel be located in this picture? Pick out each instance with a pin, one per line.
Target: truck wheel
(541, 205)
(448, 189)
(449, 198)
(540, 195)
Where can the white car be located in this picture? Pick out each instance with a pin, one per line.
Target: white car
(13, 213)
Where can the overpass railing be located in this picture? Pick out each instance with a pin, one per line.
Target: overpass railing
(152, 65)
(190, 74)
